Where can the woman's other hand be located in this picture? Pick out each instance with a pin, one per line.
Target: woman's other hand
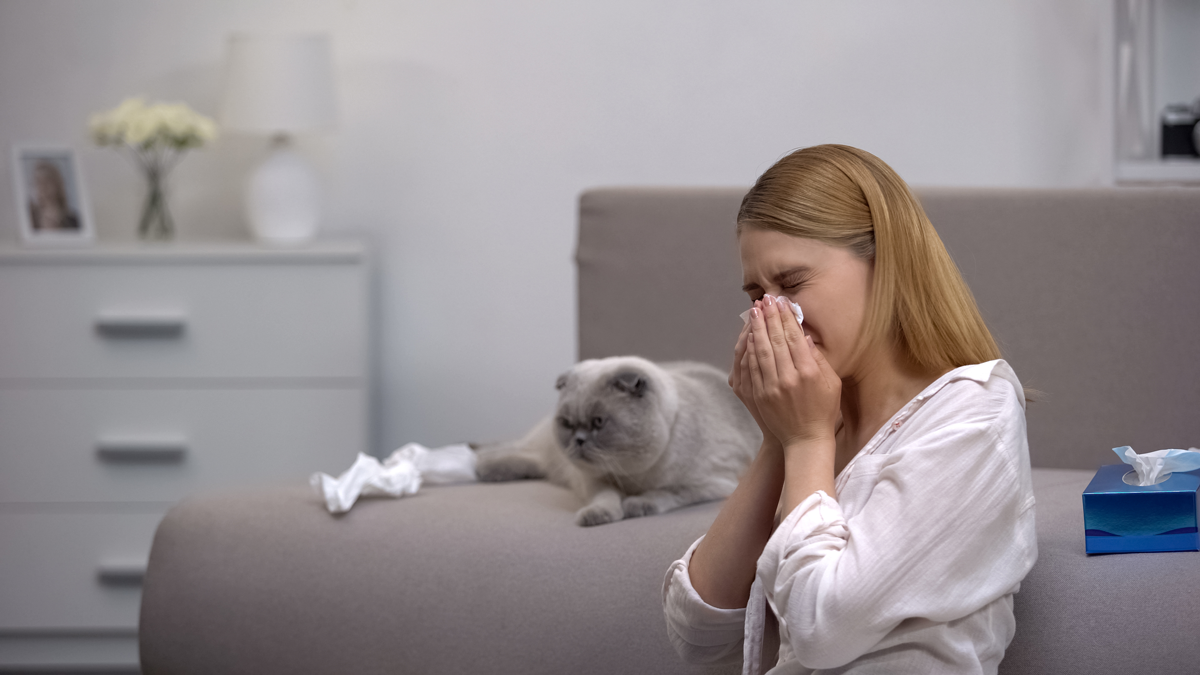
(739, 379)
(795, 392)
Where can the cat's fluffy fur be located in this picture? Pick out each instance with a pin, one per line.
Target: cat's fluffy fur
(634, 438)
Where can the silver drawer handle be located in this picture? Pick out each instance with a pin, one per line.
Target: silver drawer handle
(121, 572)
(140, 324)
(142, 449)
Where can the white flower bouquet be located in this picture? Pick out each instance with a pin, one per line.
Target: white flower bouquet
(156, 136)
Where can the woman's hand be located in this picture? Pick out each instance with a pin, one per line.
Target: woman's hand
(795, 392)
(739, 379)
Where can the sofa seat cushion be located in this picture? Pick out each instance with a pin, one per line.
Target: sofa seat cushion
(497, 578)
(485, 578)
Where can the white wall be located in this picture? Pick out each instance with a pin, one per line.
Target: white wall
(469, 127)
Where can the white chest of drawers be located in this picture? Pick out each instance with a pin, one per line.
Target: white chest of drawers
(133, 376)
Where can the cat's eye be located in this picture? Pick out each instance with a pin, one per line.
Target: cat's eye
(597, 422)
(564, 423)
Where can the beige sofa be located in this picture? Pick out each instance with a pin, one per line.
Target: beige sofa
(1092, 294)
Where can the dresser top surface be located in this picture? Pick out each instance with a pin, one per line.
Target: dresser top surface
(332, 251)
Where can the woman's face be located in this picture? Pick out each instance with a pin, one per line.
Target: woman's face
(831, 285)
(46, 185)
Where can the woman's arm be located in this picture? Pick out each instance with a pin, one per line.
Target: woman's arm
(793, 394)
(706, 591)
(723, 565)
(699, 632)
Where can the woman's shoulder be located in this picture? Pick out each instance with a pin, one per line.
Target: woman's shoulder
(994, 376)
(987, 392)
(972, 416)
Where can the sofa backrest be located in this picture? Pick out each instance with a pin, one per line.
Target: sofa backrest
(1092, 294)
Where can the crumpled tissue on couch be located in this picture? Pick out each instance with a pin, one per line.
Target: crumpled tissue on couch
(402, 473)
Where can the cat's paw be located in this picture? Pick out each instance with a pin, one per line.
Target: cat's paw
(494, 470)
(638, 506)
(595, 514)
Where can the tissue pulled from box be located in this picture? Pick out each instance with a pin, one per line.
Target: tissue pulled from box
(795, 308)
(402, 473)
(1154, 467)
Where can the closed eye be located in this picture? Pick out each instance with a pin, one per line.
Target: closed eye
(787, 279)
(791, 288)
(794, 279)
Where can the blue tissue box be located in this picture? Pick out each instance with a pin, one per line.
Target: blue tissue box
(1123, 518)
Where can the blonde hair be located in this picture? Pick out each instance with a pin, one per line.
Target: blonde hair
(847, 197)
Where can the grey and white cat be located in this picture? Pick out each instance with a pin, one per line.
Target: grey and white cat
(634, 438)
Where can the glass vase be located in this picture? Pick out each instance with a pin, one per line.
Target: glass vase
(156, 220)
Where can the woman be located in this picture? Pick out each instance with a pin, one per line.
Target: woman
(49, 210)
(894, 446)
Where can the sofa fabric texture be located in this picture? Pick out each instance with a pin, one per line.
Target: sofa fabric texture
(1091, 294)
(487, 578)
(497, 578)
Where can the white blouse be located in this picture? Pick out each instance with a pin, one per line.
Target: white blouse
(912, 569)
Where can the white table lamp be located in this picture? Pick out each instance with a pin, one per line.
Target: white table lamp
(280, 86)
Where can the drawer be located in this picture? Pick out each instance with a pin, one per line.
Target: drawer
(159, 445)
(182, 320)
(76, 571)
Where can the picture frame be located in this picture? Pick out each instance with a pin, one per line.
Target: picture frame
(52, 200)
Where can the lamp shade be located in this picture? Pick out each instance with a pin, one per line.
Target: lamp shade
(278, 84)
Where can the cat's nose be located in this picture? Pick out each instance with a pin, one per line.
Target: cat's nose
(580, 438)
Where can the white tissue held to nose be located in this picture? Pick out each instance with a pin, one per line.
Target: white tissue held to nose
(402, 473)
(795, 308)
(1155, 467)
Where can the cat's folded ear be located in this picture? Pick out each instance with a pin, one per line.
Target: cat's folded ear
(560, 382)
(631, 382)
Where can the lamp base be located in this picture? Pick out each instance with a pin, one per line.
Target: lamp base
(282, 197)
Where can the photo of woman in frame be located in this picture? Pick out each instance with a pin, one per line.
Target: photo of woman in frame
(51, 202)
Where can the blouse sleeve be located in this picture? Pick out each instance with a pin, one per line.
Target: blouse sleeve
(947, 529)
(700, 632)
